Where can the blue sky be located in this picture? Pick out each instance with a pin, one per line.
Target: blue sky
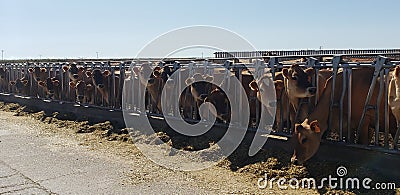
(77, 28)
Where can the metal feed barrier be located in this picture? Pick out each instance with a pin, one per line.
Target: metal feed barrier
(124, 71)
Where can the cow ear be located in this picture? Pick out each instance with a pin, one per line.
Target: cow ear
(209, 78)
(88, 73)
(285, 72)
(106, 73)
(72, 84)
(253, 86)
(397, 71)
(12, 82)
(30, 70)
(43, 70)
(189, 81)
(65, 68)
(25, 82)
(56, 82)
(314, 126)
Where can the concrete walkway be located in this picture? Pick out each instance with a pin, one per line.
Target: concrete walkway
(35, 164)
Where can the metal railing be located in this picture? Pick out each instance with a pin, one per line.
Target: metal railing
(124, 70)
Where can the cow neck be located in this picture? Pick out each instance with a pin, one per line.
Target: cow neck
(321, 111)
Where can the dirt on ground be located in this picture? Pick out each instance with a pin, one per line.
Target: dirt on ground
(237, 174)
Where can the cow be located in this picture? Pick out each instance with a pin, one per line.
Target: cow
(51, 87)
(74, 72)
(264, 97)
(21, 85)
(84, 92)
(38, 75)
(3, 80)
(102, 82)
(394, 100)
(307, 135)
(200, 87)
(223, 106)
(154, 81)
(282, 105)
(298, 85)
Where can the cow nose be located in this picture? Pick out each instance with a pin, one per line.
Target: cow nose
(38, 79)
(294, 161)
(75, 76)
(101, 86)
(80, 97)
(312, 90)
(2, 77)
(51, 91)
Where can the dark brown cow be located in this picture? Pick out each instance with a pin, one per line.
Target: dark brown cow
(307, 135)
(199, 89)
(3, 80)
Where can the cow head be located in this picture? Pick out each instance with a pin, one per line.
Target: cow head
(50, 86)
(82, 90)
(74, 73)
(298, 81)
(306, 140)
(38, 74)
(98, 77)
(221, 102)
(20, 84)
(200, 86)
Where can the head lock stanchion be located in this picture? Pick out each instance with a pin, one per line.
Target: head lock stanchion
(380, 61)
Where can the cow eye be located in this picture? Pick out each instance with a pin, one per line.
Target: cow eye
(304, 140)
(294, 78)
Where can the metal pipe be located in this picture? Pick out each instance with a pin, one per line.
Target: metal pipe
(378, 66)
(349, 98)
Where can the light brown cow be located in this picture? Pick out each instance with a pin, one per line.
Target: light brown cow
(394, 98)
(298, 85)
(307, 135)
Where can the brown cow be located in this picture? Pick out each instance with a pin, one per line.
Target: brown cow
(51, 87)
(282, 105)
(101, 81)
(223, 106)
(298, 85)
(84, 92)
(3, 80)
(154, 82)
(21, 85)
(307, 135)
(394, 98)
